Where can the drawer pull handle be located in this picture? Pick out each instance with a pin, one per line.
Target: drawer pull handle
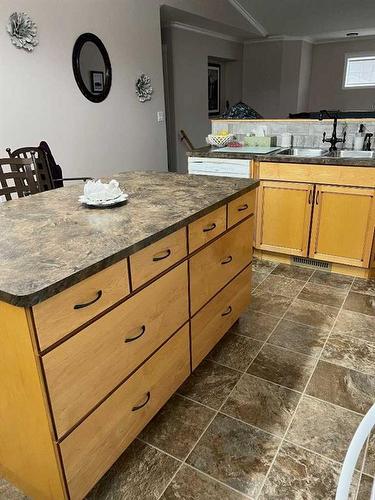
(130, 339)
(227, 260)
(136, 408)
(243, 207)
(209, 228)
(81, 306)
(228, 311)
(166, 254)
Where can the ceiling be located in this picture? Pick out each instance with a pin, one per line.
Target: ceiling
(314, 20)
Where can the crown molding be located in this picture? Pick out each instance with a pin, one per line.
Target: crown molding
(307, 39)
(249, 18)
(344, 39)
(204, 31)
(280, 38)
(268, 39)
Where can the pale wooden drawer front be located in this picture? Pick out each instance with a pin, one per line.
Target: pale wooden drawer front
(215, 319)
(156, 258)
(84, 369)
(218, 263)
(97, 443)
(319, 174)
(59, 315)
(241, 207)
(207, 227)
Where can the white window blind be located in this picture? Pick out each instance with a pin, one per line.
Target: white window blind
(359, 71)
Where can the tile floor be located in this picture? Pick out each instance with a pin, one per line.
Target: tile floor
(271, 411)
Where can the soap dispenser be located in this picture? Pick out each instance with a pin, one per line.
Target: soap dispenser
(359, 138)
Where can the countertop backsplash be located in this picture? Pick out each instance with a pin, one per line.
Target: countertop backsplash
(305, 134)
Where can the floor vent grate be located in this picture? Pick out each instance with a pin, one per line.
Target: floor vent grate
(307, 262)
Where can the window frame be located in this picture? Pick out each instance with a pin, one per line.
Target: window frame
(351, 56)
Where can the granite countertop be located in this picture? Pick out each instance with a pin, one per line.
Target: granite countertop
(330, 159)
(50, 242)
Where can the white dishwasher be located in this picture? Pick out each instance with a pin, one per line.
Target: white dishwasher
(222, 167)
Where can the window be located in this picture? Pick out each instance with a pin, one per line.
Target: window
(359, 71)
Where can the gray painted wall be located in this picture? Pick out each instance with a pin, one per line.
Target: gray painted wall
(188, 55)
(262, 77)
(276, 76)
(283, 77)
(305, 76)
(39, 98)
(327, 75)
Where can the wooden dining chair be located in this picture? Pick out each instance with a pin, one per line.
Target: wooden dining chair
(48, 173)
(17, 178)
(42, 174)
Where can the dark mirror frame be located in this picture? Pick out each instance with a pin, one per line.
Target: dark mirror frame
(81, 40)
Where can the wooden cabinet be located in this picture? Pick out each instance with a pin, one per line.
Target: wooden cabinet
(95, 444)
(317, 211)
(80, 383)
(156, 258)
(240, 208)
(343, 225)
(207, 228)
(61, 314)
(210, 324)
(214, 266)
(284, 213)
(119, 341)
(28, 455)
(316, 174)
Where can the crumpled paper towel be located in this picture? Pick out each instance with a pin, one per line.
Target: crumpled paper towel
(97, 191)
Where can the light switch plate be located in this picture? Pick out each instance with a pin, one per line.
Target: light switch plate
(160, 115)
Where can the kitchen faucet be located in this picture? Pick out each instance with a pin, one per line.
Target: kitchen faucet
(333, 140)
(367, 142)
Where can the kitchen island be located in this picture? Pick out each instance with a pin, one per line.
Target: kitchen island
(104, 313)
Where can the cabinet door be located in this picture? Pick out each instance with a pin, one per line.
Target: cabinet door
(284, 214)
(343, 225)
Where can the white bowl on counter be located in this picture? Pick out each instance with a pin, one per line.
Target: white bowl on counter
(219, 140)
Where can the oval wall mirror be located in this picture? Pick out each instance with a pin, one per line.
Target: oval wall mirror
(92, 67)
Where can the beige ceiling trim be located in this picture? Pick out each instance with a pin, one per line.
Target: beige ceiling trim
(281, 38)
(204, 31)
(257, 25)
(345, 39)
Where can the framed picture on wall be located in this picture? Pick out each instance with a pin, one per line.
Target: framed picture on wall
(214, 75)
(97, 81)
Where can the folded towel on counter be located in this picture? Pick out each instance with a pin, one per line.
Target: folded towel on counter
(97, 191)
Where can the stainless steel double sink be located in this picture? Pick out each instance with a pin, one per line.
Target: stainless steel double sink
(317, 152)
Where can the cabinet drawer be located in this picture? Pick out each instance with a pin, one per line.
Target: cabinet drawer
(95, 445)
(215, 319)
(206, 228)
(241, 207)
(156, 258)
(68, 310)
(319, 174)
(84, 369)
(218, 263)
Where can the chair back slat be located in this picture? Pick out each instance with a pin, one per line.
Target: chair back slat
(17, 178)
(43, 175)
